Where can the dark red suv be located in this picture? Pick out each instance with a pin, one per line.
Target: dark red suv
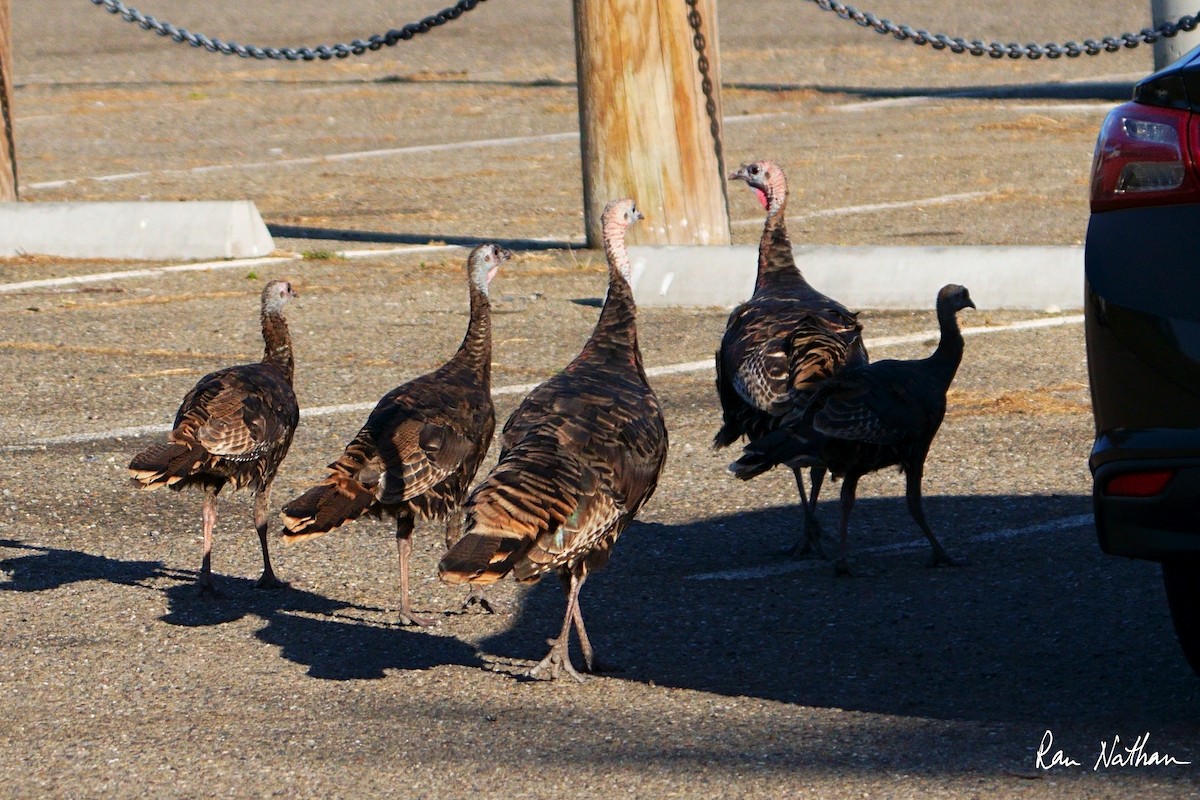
(1142, 313)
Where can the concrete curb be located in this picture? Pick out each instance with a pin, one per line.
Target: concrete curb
(150, 231)
(1023, 278)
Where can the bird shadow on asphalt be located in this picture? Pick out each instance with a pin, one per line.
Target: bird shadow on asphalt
(48, 568)
(330, 637)
(336, 648)
(1112, 91)
(1034, 627)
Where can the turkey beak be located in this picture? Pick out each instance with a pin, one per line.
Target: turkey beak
(970, 303)
(504, 255)
(740, 174)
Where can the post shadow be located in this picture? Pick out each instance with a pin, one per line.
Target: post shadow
(384, 237)
(1076, 91)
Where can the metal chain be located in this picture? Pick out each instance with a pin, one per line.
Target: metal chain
(706, 85)
(323, 52)
(957, 44)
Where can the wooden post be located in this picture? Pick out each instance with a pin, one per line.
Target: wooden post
(8, 147)
(1167, 51)
(646, 129)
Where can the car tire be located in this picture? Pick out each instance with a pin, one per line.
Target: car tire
(1181, 576)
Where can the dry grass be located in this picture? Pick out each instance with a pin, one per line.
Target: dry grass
(1036, 126)
(1059, 399)
(122, 352)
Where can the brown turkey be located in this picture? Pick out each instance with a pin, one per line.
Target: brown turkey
(579, 458)
(420, 447)
(869, 417)
(781, 343)
(235, 427)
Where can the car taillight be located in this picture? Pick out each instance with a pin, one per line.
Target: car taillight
(1138, 484)
(1143, 158)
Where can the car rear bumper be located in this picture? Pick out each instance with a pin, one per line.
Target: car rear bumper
(1142, 324)
(1159, 527)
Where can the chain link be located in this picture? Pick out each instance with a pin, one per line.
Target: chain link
(706, 85)
(957, 44)
(938, 41)
(700, 43)
(323, 52)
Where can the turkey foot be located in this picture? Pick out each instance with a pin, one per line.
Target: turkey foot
(941, 558)
(269, 582)
(557, 661)
(809, 542)
(409, 619)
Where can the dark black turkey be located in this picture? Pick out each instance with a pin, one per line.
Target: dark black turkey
(869, 417)
(781, 343)
(235, 427)
(580, 456)
(421, 446)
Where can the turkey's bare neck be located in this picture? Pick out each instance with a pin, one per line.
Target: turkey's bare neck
(614, 339)
(776, 263)
(278, 343)
(949, 352)
(615, 334)
(474, 355)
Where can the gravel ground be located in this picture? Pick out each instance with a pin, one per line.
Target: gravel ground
(741, 673)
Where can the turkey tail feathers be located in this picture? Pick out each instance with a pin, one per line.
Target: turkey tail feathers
(480, 558)
(165, 464)
(336, 500)
(778, 447)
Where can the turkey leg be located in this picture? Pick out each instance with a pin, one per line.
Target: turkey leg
(404, 529)
(262, 502)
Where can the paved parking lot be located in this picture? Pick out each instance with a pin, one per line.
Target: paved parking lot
(742, 673)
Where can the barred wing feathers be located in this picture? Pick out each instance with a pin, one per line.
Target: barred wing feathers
(538, 510)
(236, 423)
(413, 450)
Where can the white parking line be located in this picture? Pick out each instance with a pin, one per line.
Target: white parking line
(522, 388)
(940, 200)
(421, 149)
(149, 272)
(359, 155)
(771, 570)
(298, 162)
(520, 141)
(210, 266)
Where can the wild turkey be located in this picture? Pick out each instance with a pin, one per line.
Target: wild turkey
(781, 343)
(579, 458)
(234, 426)
(421, 445)
(869, 417)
